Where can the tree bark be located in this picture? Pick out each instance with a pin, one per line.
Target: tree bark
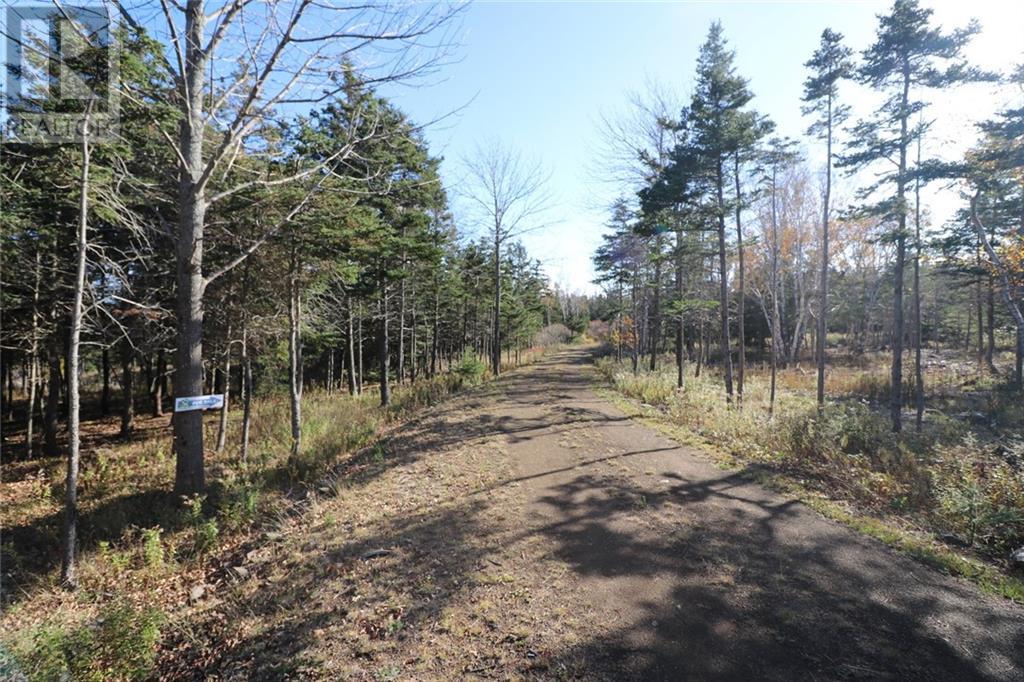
(222, 424)
(350, 347)
(896, 375)
(53, 403)
(654, 338)
(70, 530)
(822, 344)
(741, 311)
(918, 369)
(1009, 291)
(723, 298)
(189, 474)
(159, 384)
(436, 330)
(680, 340)
(776, 316)
(128, 389)
(294, 359)
(383, 346)
(33, 383)
(496, 336)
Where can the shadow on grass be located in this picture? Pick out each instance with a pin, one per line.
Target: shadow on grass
(369, 577)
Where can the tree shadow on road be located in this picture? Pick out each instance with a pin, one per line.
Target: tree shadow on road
(751, 586)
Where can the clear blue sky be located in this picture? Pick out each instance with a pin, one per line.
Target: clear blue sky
(538, 75)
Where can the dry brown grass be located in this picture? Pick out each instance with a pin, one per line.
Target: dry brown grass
(129, 518)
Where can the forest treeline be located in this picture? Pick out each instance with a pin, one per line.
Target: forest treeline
(218, 244)
(731, 244)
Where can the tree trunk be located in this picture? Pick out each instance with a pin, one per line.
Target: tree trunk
(978, 310)
(823, 293)
(918, 369)
(680, 350)
(246, 393)
(654, 338)
(105, 394)
(619, 327)
(53, 402)
(776, 312)
(436, 330)
(741, 311)
(496, 337)
(128, 389)
(359, 376)
(723, 298)
(412, 339)
(383, 346)
(70, 530)
(222, 423)
(896, 378)
(401, 325)
(159, 384)
(990, 327)
(294, 359)
(1008, 289)
(635, 332)
(189, 473)
(350, 348)
(33, 383)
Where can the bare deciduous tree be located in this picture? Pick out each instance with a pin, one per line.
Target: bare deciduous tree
(511, 194)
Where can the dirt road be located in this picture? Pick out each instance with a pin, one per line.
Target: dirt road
(534, 531)
(698, 573)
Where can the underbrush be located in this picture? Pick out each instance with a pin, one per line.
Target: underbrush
(118, 643)
(945, 479)
(144, 552)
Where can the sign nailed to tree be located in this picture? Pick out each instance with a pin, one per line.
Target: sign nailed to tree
(198, 402)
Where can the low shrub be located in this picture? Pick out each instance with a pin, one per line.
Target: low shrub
(470, 369)
(119, 644)
(980, 494)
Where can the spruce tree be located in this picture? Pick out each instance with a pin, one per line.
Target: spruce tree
(718, 125)
(908, 55)
(830, 64)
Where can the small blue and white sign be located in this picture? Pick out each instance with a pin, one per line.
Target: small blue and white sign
(199, 402)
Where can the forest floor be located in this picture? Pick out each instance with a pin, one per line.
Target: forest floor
(531, 529)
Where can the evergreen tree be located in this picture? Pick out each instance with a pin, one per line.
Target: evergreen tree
(719, 126)
(829, 65)
(908, 55)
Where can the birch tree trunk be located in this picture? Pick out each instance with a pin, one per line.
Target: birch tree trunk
(294, 359)
(222, 424)
(246, 392)
(33, 363)
(350, 347)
